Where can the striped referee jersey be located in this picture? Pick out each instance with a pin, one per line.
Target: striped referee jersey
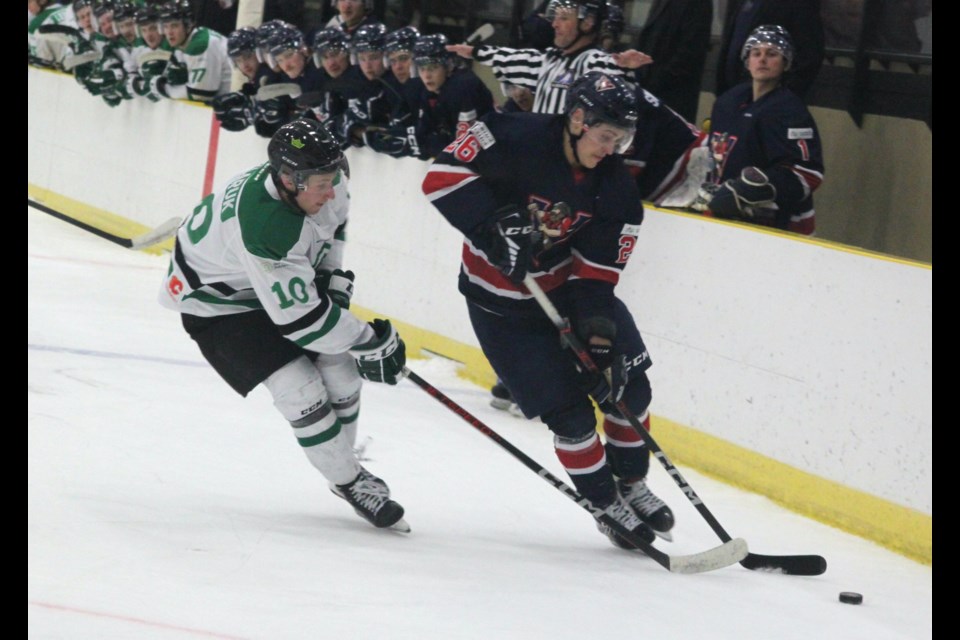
(548, 74)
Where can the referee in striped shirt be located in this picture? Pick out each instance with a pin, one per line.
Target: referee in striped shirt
(548, 74)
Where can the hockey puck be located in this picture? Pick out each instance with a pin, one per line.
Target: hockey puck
(851, 597)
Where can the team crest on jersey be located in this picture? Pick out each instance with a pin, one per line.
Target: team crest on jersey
(721, 144)
(563, 81)
(604, 83)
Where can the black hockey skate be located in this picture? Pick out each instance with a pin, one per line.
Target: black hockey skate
(652, 510)
(619, 511)
(503, 400)
(370, 497)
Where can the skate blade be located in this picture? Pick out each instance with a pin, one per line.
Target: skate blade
(666, 535)
(400, 526)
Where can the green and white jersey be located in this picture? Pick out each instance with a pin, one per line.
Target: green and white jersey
(243, 248)
(53, 14)
(208, 65)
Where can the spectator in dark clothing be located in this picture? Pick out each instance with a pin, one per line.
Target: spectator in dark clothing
(219, 15)
(536, 32)
(677, 36)
(801, 18)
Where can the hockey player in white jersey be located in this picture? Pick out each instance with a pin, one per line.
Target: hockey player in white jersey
(257, 277)
(200, 67)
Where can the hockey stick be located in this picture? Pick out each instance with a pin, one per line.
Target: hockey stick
(716, 558)
(483, 32)
(800, 565)
(156, 235)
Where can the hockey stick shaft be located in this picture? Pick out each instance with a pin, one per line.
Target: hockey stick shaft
(716, 558)
(795, 565)
(152, 237)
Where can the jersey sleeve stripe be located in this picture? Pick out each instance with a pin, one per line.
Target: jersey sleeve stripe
(444, 179)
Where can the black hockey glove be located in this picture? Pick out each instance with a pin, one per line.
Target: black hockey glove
(337, 284)
(107, 79)
(271, 114)
(382, 358)
(234, 111)
(515, 239)
(607, 384)
(152, 68)
(744, 197)
(393, 142)
(176, 72)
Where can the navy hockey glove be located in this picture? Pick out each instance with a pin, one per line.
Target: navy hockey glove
(338, 285)
(515, 240)
(607, 384)
(393, 142)
(271, 114)
(234, 111)
(382, 358)
(744, 197)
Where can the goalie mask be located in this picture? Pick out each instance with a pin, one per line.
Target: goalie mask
(303, 148)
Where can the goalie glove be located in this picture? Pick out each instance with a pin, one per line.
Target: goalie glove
(744, 197)
(607, 384)
(515, 239)
(382, 358)
(338, 285)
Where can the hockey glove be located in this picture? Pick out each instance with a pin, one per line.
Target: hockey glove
(606, 385)
(741, 198)
(175, 72)
(139, 86)
(515, 240)
(233, 110)
(382, 358)
(112, 98)
(105, 80)
(271, 114)
(704, 195)
(153, 68)
(392, 142)
(338, 285)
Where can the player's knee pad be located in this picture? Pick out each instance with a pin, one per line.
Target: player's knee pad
(637, 393)
(300, 395)
(298, 392)
(342, 381)
(573, 421)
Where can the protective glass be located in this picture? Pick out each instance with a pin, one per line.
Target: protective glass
(609, 136)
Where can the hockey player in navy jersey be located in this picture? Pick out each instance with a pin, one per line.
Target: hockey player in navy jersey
(765, 143)
(451, 99)
(257, 277)
(549, 196)
(374, 102)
